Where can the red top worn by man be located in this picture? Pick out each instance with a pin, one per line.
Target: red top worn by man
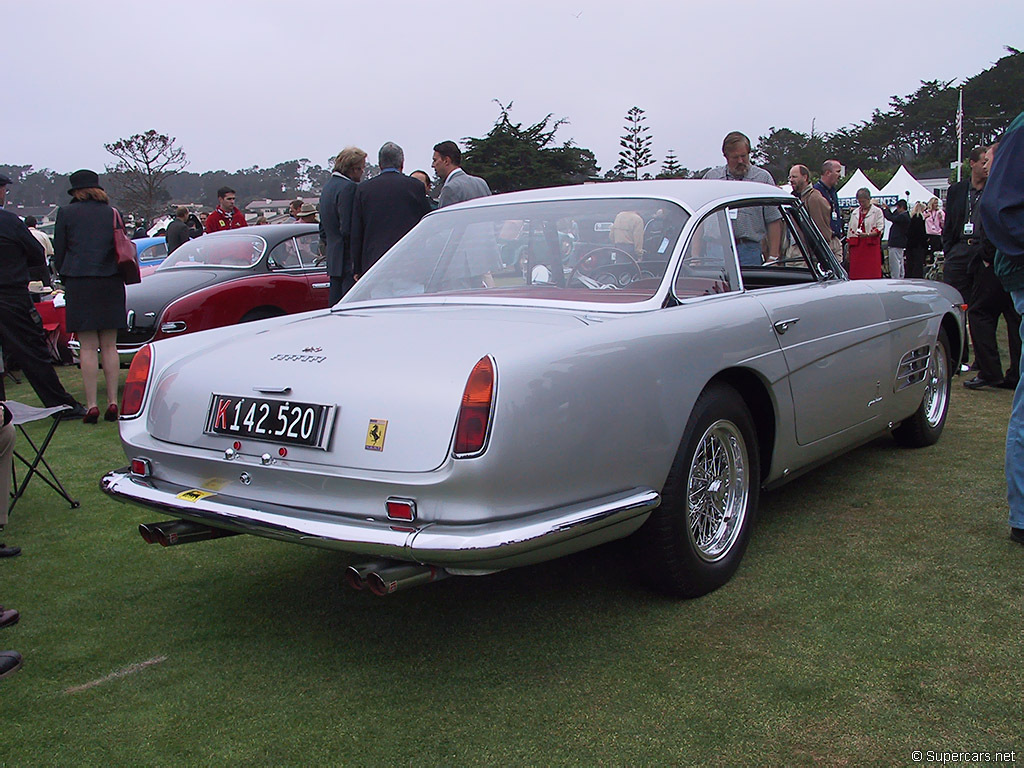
(226, 215)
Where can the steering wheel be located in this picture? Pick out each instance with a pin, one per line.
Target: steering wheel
(597, 275)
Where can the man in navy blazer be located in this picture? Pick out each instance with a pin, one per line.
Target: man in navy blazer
(385, 209)
(336, 201)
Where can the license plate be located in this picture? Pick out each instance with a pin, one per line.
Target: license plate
(275, 421)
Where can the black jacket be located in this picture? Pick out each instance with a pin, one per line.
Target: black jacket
(898, 230)
(916, 235)
(19, 250)
(83, 240)
(336, 223)
(386, 208)
(177, 235)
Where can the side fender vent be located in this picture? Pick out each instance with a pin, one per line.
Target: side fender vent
(913, 368)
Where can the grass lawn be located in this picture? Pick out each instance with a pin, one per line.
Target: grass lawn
(878, 611)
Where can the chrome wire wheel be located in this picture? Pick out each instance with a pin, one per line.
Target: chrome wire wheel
(717, 490)
(936, 395)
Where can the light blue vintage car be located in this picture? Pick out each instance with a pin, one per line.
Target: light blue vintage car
(463, 411)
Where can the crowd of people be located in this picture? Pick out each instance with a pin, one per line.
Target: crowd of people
(980, 234)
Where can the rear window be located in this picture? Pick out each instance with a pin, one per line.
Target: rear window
(222, 250)
(613, 250)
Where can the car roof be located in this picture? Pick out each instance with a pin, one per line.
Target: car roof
(270, 232)
(146, 242)
(692, 194)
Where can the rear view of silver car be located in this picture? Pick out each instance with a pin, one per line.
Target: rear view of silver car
(532, 374)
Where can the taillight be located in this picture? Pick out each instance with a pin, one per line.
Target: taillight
(135, 384)
(475, 413)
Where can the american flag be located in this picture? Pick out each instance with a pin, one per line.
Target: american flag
(960, 119)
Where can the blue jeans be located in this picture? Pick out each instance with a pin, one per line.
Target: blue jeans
(1015, 441)
(749, 253)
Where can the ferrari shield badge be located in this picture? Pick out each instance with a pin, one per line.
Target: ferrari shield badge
(194, 495)
(375, 434)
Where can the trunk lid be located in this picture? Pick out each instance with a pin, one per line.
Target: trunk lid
(403, 366)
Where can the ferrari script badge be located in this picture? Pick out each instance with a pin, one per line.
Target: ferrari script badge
(375, 434)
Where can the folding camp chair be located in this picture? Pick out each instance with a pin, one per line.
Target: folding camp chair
(23, 414)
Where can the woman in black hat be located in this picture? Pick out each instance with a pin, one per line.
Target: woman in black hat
(84, 254)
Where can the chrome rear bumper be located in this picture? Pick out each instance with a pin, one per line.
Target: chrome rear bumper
(494, 545)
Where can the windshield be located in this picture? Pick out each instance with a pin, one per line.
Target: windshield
(228, 250)
(613, 250)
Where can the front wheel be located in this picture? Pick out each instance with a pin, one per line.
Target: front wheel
(925, 426)
(693, 543)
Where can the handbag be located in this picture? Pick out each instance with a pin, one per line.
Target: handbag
(127, 254)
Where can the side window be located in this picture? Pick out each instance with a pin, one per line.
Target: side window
(804, 234)
(284, 256)
(757, 233)
(309, 249)
(709, 263)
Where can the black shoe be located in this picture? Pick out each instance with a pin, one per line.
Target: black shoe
(8, 617)
(10, 661)
(979, 383)
(1017, 534)
(77, 412)
(6, 551)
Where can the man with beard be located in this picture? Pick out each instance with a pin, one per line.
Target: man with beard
(752, 224)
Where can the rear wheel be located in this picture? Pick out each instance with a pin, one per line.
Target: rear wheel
(693, 543)
(925, 426)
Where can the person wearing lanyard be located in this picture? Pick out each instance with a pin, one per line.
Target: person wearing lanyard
(751, 224)
(830, 172)
(960, 240)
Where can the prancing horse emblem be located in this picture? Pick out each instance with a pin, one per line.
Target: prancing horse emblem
(375, 434)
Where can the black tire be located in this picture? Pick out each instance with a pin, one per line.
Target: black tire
(686, 554)
(925, 426)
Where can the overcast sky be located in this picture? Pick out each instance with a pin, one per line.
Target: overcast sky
(255, 82)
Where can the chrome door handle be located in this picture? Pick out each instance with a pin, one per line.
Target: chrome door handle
(783, 325)
(321, 285)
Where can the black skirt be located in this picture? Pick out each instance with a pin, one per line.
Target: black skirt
(94, 303)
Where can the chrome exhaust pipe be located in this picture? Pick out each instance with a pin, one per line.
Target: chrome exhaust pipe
(387, 580)
(356, 575)
(169, 533)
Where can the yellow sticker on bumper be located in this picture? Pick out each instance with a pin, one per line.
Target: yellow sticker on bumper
(375, 434)
(194, 495)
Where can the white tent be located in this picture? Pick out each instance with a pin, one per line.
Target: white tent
(903, 185)
(848, 193)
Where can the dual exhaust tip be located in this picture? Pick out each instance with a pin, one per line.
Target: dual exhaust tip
(384, 577)
(381, 577)
(170, 533)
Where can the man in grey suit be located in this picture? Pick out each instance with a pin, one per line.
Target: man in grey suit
(458, 185)
(477, 258)
(336, 219)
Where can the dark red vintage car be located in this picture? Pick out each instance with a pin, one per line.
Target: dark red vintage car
(227, 278)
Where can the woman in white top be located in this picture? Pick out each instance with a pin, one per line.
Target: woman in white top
(864, 235)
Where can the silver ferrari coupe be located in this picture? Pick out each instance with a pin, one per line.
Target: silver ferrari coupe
(530, 374)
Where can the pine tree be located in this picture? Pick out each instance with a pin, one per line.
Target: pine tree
(636, 145)
(671, 169)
